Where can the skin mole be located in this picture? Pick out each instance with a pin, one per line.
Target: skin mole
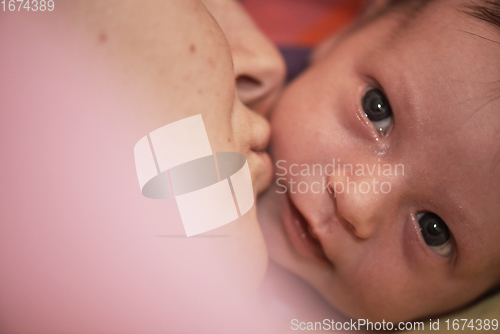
(103, 37)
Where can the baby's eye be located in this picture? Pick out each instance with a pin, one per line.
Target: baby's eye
(377, 109)
(435, 232)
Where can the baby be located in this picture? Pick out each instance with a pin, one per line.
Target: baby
(387, 163)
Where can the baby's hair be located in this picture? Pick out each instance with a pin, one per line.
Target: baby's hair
(488, 11)
(485, 10)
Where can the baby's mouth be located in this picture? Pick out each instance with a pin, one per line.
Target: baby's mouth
(300, 233)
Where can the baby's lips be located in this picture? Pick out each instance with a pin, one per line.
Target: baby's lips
(301, 232)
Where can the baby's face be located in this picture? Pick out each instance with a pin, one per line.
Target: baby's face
(394, 246)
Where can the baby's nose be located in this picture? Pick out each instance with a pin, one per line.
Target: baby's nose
(259, 76)
(364, 203)
(360, 212)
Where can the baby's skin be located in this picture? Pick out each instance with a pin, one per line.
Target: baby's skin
(416, 93)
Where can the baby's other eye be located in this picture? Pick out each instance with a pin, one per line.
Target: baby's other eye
(377, 109)
(435, 233)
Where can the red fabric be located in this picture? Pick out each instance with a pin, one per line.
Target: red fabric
(301, 23)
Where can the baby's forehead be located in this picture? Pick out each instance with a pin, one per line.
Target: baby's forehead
(451, 79)
(449, 57)
(441, 67)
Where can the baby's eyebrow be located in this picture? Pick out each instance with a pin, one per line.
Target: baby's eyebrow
(488, 11)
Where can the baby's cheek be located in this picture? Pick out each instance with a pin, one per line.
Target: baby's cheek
(380, 288)
(294, 129)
